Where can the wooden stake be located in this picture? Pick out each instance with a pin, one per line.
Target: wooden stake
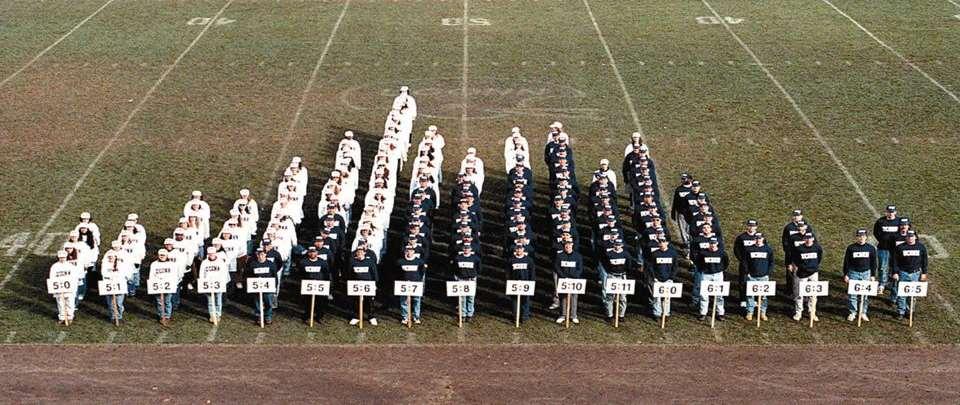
(713, 313)
(759, 305)
(812, 311)
(911, 311)
(459, 312)
(313, 301)
(616, 312)
(116, 316)
(409, 311)
(663, 311)
(567, 310)
(517, 322)
(260, 297)
(361, 310)
(860, 311)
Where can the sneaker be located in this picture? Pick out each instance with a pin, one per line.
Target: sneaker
(373, 321)
(750, 316)
(268, 321)
(763, 316)
(901, 317)
(403, 321)
(561, 319)
(576, 321)
(555, 305)
(702, 318)
(416, 321)
(743, 304)
(851, 317)
(797, 316)
(865, 319)
(814, 317)
(354, 322)
(721, 318)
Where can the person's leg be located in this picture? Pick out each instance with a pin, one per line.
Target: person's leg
(606, 298)
(797, 299)
(70, 306)
(883, 267)
(812, 303)
(416, 308)
(697, 278)
(573, 306)
(525, 307)
(268, 311)
(404, 309)
(751, 300)
(742, 282)
(211, 305)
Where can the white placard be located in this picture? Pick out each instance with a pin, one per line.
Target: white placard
(266, 285)
(161, 286)
(571, 286)
(814, 288)
(315, 287)
(112, 287)
(761, 288)
(667, 290)
(620, 286)
(408, 288)
(461, 288)
(360, 288)
(912, 289)
(61, 285)
(521, 287)
(205, 286)
(714, 288)
(863, 287)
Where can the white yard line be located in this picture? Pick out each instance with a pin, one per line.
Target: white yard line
(803, 116)
(96, 160)
(303, 101)
(10, 337)
(616, 70)
(259, 339)
(894, 51)
(212, 336)
(60, 337)
(954, 3)
(466, 69)
(54, 44)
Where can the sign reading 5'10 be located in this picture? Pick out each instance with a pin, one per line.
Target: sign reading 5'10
(571, 286)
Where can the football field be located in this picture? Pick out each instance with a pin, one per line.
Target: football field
(838, 107)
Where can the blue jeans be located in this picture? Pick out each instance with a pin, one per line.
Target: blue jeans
(660, 306)
(164, 305)
(467, 308)
(752, 301)
(109, 300)
(697, 278)
(215, 304)
(886, 282)
(608, 299)
(704, 300)
(133, 283)
(903, 303)
(854, 300)
(404, 310)
(268, 298)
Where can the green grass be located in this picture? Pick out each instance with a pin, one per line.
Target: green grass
(219, 120)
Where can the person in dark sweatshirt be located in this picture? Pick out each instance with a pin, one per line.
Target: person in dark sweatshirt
(804, 264)
(467, 268)
(617, 263)
(522, 268)
(792, 234)
(859, 263)
(363, 267)
(745, 239)
(758, 262)
(412, 268)
(885, 232)
(314, 267)
(262, 267)
(909, 264)
(712, 263)
(568, 264)
(661, 264)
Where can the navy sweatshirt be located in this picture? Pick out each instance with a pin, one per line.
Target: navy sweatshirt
(860, 258)
(910, 258)
(758, 260)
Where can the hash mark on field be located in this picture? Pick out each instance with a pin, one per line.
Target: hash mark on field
(516, 338)
(10, 337)
(714, 141)
(213, 333)
(751, 142)
(461, 337)
(934, 141)
(859, 140)
(361, 338)
(895, 52)
(96, 160)
(162, 337)
(311, 337)
(55, 43)
(411, 338)
(716, 335)
(111, 337)
(60, 337)
(848, 63)
(818, 63)
(894, 140)
(259, 338)
(670, 62)
(921, 338)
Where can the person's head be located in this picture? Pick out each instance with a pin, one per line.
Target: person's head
(162, 255)
(179, 234)
(360, 253)
(261, 255)
(751, 226)
(861, 236)
(706, 228)
(686, 179)
(618, 246)
(85, 217)
(211, 253)
(62, 256)
(695, 186)
(267, 244)
(312, 252)
(519, 251)
(663, 244)
(891, 212)
(808, 239)
(759, 239)
(714, 244)
(409, 253)
(568, 247)
(73, 236)
(904, 224)
(802, 227)
(797, 216)
(911, 237)
(168, 244)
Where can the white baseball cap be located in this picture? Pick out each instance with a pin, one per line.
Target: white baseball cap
(162, 252)
(84, 215)
(133, 217)
(557, 125)
(196, 194)
(604, 162)
(62, 254)
(296, 159)
(211, 250)
(471, 151)
(244, 193)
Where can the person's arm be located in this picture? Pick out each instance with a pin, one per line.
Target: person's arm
(846, 264)
(923, 261)
(873, 264)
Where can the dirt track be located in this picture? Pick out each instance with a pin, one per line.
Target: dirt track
(418, 374)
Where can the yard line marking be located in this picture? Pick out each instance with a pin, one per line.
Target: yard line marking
(616, 71)
(55, 43)
(954, 3)
(260, 337)
(60, 337)
(806, 120)
(303, 100)
(466, 61)
(213, 333)
(800, 113)
(311, 336)
(516, 338)
(103, 152)
(111, 337)
(10, 337)
(894, 140)
(162, 337)
(894, 51)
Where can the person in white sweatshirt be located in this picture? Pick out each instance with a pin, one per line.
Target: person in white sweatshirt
(406, 102)
(63, 271)
(112, 269)
(196, 206)
(132, 252)
(214, 270)
(249, 215)
(87, 220)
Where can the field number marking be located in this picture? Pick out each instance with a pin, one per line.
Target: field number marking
(18, 241)
(711, 20)
(206, 20)
(457, 21)
(934, 244)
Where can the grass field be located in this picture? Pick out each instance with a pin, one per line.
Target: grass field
(834, 106)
